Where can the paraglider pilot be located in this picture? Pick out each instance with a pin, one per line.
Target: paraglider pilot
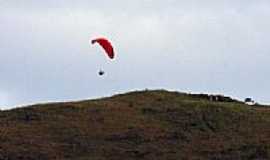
(101, 72)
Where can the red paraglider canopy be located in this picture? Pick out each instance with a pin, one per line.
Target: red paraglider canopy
(106, 45)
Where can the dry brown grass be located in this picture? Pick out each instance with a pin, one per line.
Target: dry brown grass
(139, 125)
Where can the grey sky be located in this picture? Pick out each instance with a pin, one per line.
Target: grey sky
(190, 45)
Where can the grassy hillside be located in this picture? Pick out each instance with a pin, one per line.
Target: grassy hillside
(138, 125)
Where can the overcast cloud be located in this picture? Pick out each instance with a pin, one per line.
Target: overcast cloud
(186, 45)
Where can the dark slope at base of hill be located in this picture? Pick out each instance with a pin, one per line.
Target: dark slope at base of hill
(152, 125)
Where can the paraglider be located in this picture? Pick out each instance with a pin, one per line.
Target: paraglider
(108, 48)
(106, 45)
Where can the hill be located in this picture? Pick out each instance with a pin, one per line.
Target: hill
(152, 125)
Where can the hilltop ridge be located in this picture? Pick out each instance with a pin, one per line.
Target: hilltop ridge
(138, 125)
